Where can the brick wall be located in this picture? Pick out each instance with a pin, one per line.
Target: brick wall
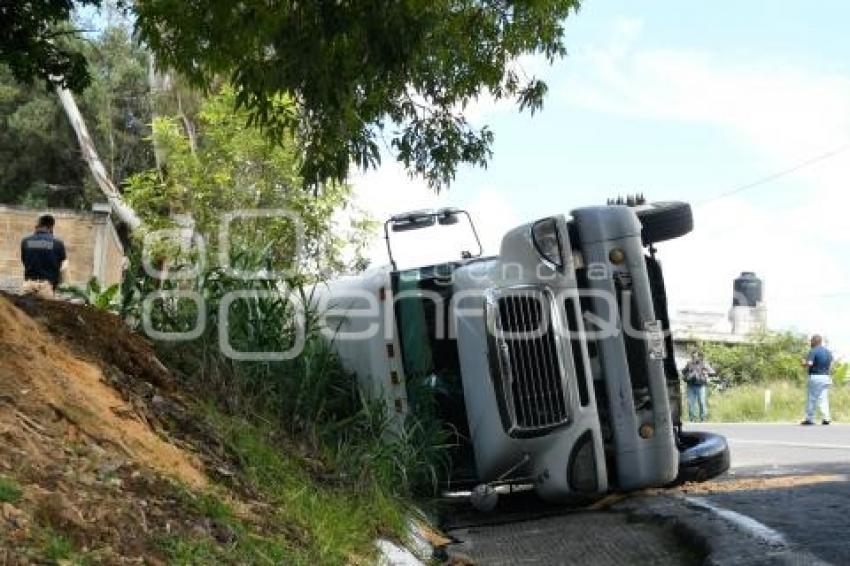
(91, 243)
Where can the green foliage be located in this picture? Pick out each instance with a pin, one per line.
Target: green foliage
(410, 459)
(10, 492)
(840, 373)
(247, 545)
(360, 71)
(40, 161)
(310, 396)
(356, 72)
(94, 295)
(118, 103)
(185, 551)
(337, 524)
(38, 152)
(745, 403)
(32, 43)
(235, 166)
(57, 547)
(772, 356)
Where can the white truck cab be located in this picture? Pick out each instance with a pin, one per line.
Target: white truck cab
(551, 362)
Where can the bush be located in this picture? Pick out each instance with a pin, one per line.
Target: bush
(771, 356)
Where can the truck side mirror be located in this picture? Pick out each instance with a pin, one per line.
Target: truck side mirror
(412, 222)
(447, 218)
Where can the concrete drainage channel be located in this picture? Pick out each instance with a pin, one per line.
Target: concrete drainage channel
(637, 529)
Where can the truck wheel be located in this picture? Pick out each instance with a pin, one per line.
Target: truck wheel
(665, 221)
(702, 456)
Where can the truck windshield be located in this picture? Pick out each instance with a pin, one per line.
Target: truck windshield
(434, 242)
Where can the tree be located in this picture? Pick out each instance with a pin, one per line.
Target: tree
(235, 166)
(120, 101)
(40, 158)
(32, 42)
(358, 71)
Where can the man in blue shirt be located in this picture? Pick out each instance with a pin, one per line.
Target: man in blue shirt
(42, 255)
(818, 363)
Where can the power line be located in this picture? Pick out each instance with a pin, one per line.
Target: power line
(777, 175)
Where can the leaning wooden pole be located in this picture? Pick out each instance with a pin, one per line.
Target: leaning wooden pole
(122, 210)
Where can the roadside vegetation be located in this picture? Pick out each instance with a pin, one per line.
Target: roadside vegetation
(189, 137)
(787, 403)
(327, 520)
(330, 462)
(310, 397)
(763, 381)
(331, 469)
(336, 467)
(135, 460)
(318, 520)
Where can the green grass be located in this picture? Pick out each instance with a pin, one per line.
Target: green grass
(184, 551)
(246, 546)
(370, 466)
(745, 403)
(57, 547)
(331, 524)
(312, 522)
(10, 492)
(246, 549)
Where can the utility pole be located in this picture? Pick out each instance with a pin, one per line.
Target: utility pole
(121, 209)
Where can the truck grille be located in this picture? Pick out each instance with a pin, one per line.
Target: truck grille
(531, 374)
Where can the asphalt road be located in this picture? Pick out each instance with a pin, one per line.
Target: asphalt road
(765, 449)
(793, 479)
(786, 500)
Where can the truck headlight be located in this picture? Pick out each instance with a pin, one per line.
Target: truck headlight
(547, 242)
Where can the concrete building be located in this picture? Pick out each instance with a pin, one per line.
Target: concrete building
(746, 317)
(91, 242)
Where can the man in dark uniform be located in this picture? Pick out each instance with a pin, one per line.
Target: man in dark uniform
(42, 255)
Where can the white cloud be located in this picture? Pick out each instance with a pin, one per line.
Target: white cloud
(780, 113)
(771, 111)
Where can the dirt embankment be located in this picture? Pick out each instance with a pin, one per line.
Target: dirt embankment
(94, 434)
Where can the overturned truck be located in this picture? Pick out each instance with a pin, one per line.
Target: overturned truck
(552, 362)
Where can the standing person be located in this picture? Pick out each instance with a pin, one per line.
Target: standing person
(43, 256)
(818, 363)
(696, 374)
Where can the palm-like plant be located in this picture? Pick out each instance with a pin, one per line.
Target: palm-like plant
(93, 294)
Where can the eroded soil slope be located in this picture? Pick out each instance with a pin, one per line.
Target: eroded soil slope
(97, 450)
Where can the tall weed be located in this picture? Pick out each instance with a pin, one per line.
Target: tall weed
(310, 397)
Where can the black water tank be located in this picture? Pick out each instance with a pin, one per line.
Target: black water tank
(747, 290)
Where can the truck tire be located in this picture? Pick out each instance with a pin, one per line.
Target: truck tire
(665, 221)
(702, 456)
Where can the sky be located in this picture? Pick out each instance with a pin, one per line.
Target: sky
(740, 108)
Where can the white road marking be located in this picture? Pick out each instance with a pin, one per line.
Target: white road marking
(744, 522)
(792, 444)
